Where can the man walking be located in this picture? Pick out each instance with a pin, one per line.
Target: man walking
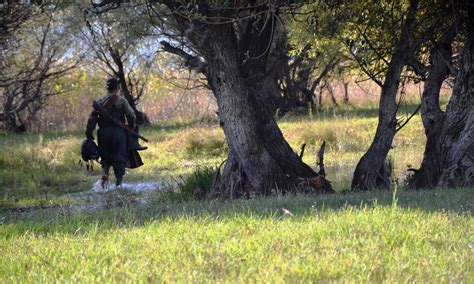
(112, 139)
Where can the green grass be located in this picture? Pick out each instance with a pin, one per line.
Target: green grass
(404, 236)
(39, 169)
(423, 236)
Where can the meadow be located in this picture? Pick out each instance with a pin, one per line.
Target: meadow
(377, 236)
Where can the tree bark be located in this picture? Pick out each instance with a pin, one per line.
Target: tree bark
(346, 93)
(431, 114)
(260, 161)
(449, 158)
(372, 171)
(242, 71)
(456, 142)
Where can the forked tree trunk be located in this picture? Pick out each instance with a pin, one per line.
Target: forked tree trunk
(431, 114)
(449, 153)
(449, 158)
(372, 171)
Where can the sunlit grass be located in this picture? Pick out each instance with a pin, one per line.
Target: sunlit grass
(43, 167)
(366, 237)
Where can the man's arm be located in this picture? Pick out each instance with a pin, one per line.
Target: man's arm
(91, 123)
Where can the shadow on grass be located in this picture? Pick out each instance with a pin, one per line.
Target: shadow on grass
(128, 214)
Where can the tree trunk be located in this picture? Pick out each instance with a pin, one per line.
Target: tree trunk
(372, 171)
(346, 93)
(142, 118)
(242, 71)
(449, 158)
(452, 155)
(10, 119)
(431, 114)
(331, 93)
(260, 160)
(456, 143)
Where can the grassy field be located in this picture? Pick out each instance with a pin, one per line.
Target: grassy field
(399, 236)
(39, 169)
(376, 236)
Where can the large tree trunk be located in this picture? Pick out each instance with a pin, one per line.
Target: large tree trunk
(431, 114)
(260, 160)
(456, 142)
(449, 153)
(449, 158)
(371, 171)
(242, 69)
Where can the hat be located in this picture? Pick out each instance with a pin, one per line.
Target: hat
(112, 84)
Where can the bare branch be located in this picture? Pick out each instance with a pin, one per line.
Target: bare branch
(193, 62)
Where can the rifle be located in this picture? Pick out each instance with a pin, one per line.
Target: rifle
(101, 109)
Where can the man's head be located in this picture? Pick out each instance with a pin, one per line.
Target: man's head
(113, 85)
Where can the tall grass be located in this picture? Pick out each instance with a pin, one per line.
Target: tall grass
(34, 169)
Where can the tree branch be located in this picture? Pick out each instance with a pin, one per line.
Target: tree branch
(193, 62)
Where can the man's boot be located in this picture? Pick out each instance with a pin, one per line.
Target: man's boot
(133, 144)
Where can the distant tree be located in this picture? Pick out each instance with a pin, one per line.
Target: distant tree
(34, 55)
(386, 39)
(117, 42)
(316, 55)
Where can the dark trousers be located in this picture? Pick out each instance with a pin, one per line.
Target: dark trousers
(113, 150)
